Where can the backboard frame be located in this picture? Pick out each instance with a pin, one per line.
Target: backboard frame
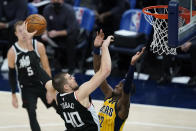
(179, 35)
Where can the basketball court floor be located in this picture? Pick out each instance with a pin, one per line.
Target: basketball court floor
(141, 117)
(160, 108)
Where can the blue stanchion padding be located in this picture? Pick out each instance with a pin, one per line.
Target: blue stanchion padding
(173, 24)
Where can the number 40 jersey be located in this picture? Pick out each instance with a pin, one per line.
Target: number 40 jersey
(76, 116)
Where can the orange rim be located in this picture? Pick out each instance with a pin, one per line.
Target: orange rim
(185, 13)
(186, 16)
(159, 16)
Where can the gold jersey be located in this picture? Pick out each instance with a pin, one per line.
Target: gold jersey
(108, 118)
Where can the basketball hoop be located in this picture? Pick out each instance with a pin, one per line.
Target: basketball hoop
(157, 16)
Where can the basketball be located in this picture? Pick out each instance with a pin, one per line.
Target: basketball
(36, 22)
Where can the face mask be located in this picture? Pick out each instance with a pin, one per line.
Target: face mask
(57, 7)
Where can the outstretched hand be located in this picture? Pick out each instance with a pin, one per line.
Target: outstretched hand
(137, 56)
(14, 101)
(186, 46)
(108, 40)
(29, 35)
(50, 96)
(99, 38)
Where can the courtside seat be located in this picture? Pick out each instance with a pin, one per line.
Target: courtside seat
(133, 22)
(85, 17)
(32, 9)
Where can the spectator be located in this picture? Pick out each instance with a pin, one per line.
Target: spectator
(165, 70)
(10, 12)
(191, 48)
(140, 4)
(34, 1)
(63, 29)
(71, 2)
(188, 47)
(108, 13)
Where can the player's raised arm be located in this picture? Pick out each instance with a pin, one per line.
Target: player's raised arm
(128, 88)
(88, 87)
(105, 87)
(44, 58)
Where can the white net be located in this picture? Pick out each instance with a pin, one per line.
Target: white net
(159, 44)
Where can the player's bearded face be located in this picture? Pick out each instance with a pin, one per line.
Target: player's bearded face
(72, 83)
(76, 88)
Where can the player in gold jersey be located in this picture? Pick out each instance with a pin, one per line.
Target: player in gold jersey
(115, 110)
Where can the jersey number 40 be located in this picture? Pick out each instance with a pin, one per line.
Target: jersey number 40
(73, 118)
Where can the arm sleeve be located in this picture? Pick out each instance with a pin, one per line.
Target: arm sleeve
(44, 77)
(96, 50)
(12, 79)
(128, 88)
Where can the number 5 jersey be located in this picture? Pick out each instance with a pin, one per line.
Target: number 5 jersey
(25, 66)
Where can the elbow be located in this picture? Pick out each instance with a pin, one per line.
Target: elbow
(107, 71)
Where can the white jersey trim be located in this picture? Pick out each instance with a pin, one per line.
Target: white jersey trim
(16, 56)
(36, 49)
(94, 115)
(21, 49)
(75, 96)
(63, 94)
(25, 50)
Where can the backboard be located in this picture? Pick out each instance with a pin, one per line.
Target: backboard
(173, 24)
(181, 22)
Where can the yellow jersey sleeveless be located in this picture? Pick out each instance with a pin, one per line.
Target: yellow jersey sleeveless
(108, 118)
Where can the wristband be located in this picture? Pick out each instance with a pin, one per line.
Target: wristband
(127, 87)
(96, 50)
